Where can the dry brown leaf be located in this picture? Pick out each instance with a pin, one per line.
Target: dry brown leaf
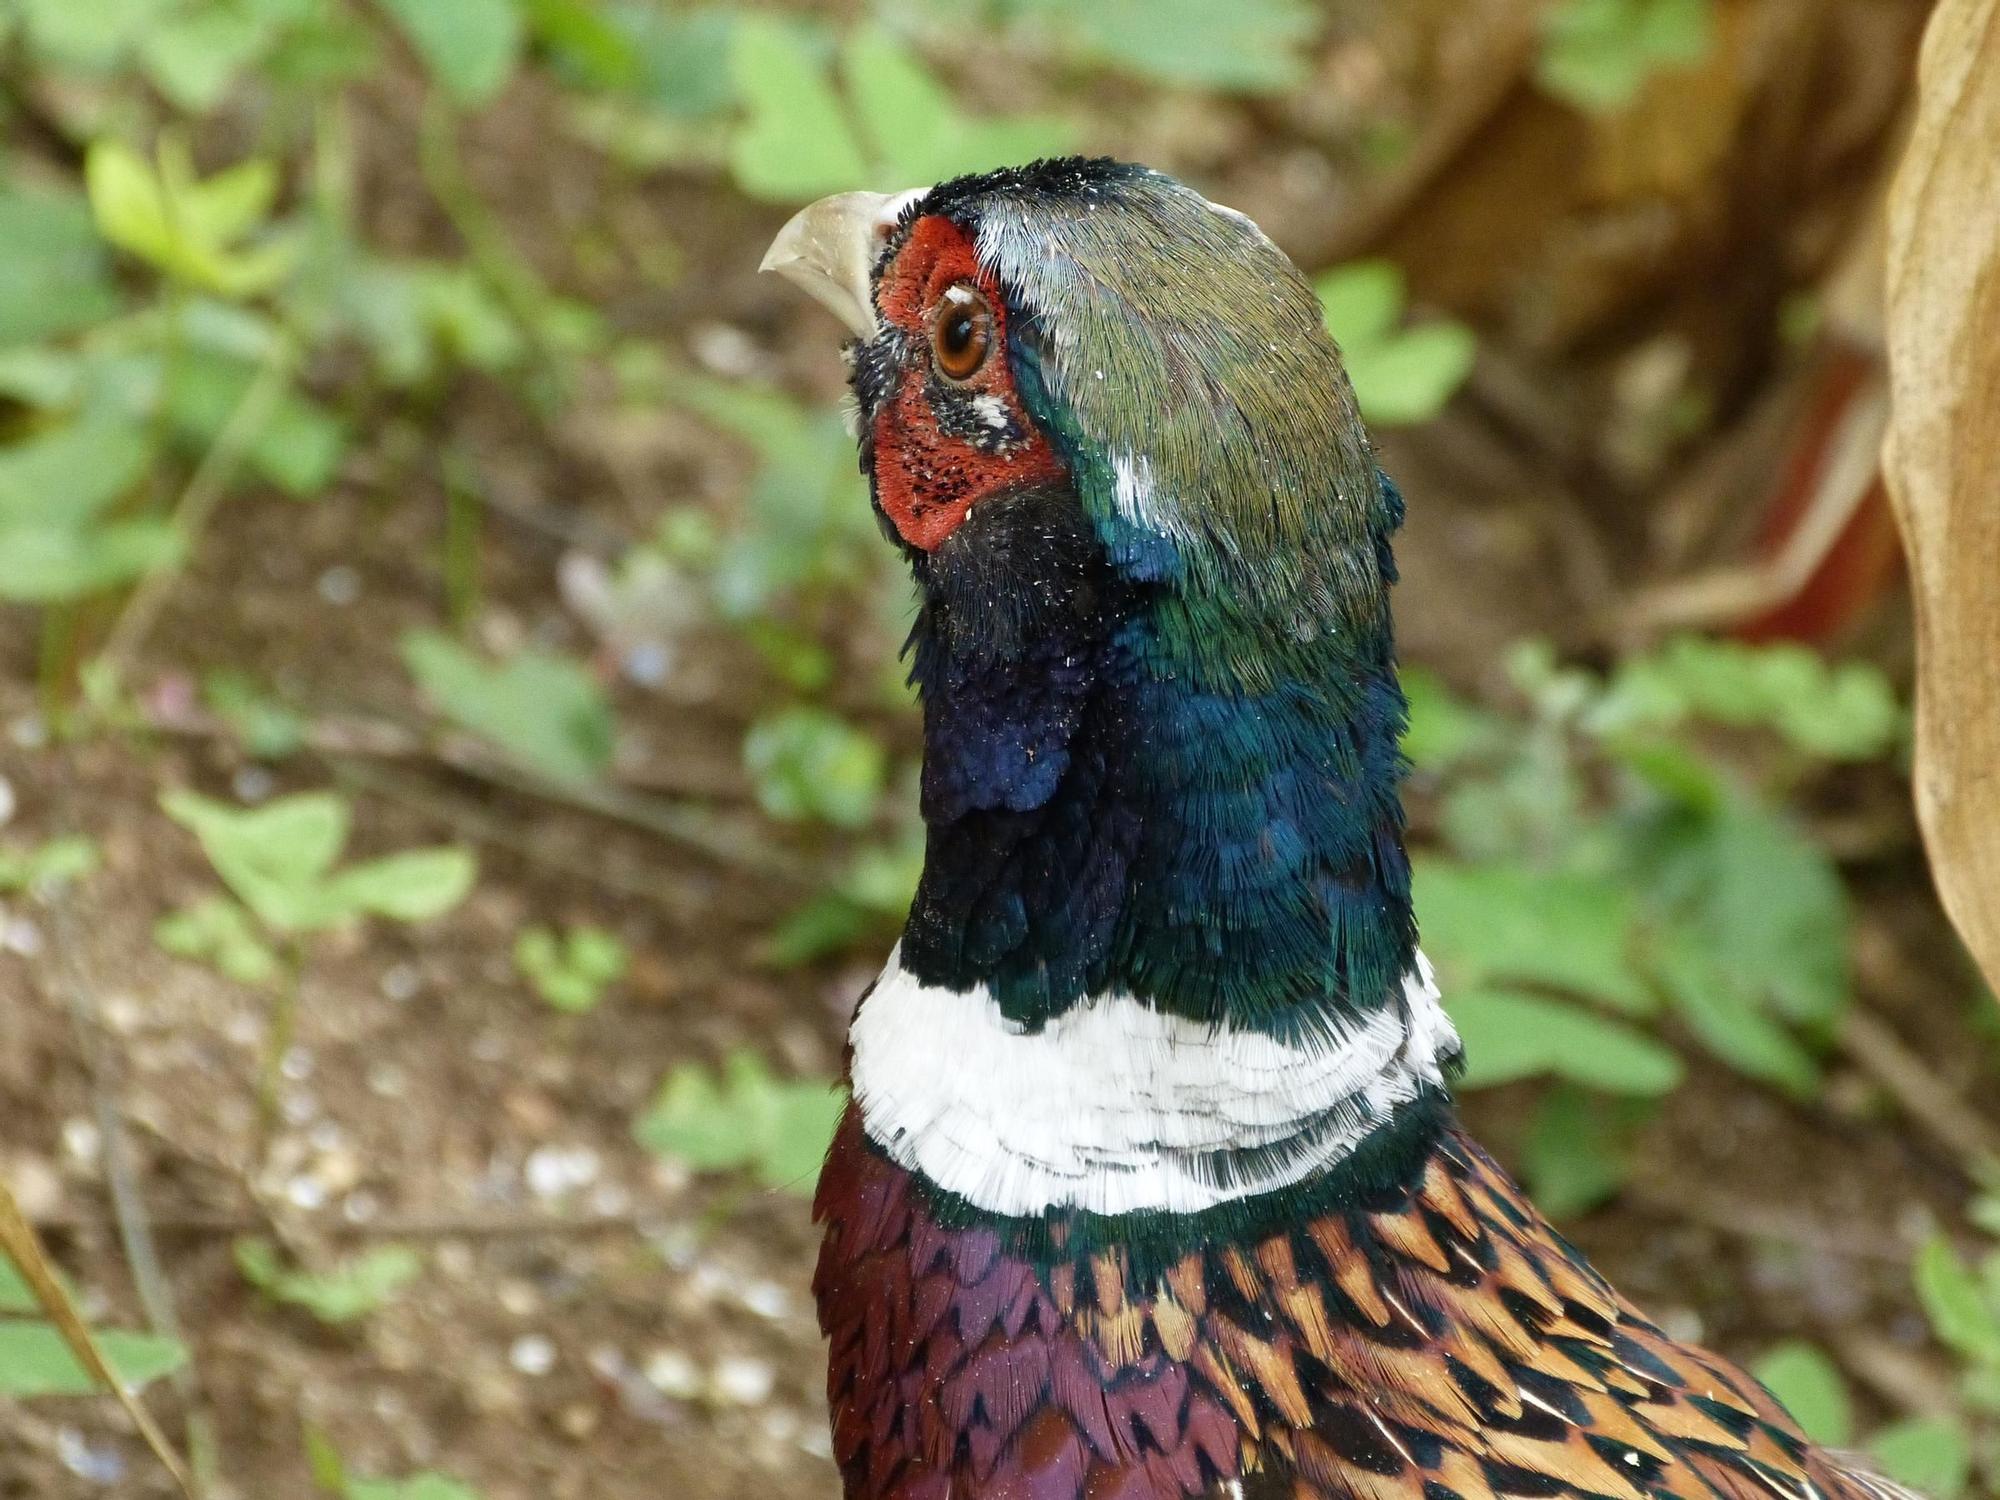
(1942, 454)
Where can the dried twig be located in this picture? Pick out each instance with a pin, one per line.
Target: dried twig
(1923, 1096)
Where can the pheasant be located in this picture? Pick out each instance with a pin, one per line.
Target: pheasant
(1150, 1187)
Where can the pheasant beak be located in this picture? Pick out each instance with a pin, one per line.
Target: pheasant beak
(829, 249)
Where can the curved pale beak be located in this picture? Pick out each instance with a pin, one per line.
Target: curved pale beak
(829, 248)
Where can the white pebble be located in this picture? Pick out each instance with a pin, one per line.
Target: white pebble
(743, 1380)
(672, 1373)
(532, 1354)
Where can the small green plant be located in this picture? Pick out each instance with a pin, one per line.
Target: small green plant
(1939, 1455)
(809, 763)
(46, 866)
(744, 1120)
(280, 863)
(1402, 375)
(895, 126)
(571, 969)
(208, 234)
(543, 711)
(1598, 54)
(330, 1477)
(1606, 871)
(344, 1294)
(35, 1360)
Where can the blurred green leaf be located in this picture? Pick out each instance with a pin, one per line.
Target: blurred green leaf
(1573, 1156)
(301, 444)
(48, 865)
(1510, 1036)
(1598, 54)
(265, 727)
(1764, 904)
(425, 1486)
(1252, 46)
(744, 1119)
(58, 278)
(918, 133)
(1954, 1302)
(1729, 1019)
(1444, 728)
(471, 47)
(91, 37)
(572, 969)
(1810, 1387)
(1507, 923)
(65, 476)
(218, 932)
(544, 711)
(188, 228)
(35, 1360)
(1402, 376)
(194, 56)
(796, 142)
(351, 1290)
(808, 763)
(1930, 1454)
(416, 885)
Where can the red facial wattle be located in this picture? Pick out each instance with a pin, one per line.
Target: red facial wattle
(930, 471)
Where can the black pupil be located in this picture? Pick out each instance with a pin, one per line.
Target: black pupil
(958, 333)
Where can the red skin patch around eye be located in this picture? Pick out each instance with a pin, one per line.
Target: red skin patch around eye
(927, 479)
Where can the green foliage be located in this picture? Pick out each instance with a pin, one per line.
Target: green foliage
(572, 969)
(208, 234)
(542, 710)
(744, 1120)
(893, 126)
(330, 1476)
(1402, 375)
(59, 539)
(36, 1361)
(216, 931)
(1252, 46)
(58, 278)
(1930, 1454)
(344, 1294)
(278, 860)
(264, 726)
(471, 47)
(47, 866)
(1604, 862)
(1598, 54)
(808, 763)
(1811, 1389)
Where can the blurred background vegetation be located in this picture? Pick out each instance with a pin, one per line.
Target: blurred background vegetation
(454, 778)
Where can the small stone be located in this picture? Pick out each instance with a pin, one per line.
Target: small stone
(767, 1299)
(245, 1028)
(386, 1080)
(82, 1141)
(455, 1259)
(22, 936)
(37, 1186)
(95, 1463)
(578, 1421)
(252, 784)
(361, 1207)
(532, 1355)
(519, 1299)
(123, 1013)
(400, 982)
(743, 1380)
(298, 1064)
(672, 1373)
(340, 585)
(306, 1192)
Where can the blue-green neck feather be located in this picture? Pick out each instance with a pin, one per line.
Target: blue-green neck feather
(1160, 702)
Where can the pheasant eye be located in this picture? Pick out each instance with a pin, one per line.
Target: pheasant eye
(961, 333)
